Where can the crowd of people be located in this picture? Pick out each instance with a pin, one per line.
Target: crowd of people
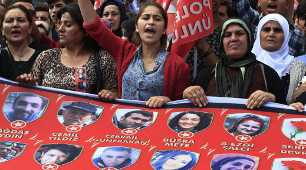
(122, 50)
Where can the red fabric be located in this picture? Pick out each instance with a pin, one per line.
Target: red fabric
(192, 22)
(176, 71)
(164, 3)
(49, 42)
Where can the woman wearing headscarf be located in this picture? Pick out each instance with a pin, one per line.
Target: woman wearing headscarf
(114, 12)
(237, 73)
(271, 45)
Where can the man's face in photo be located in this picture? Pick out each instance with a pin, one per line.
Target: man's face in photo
(54, 156)
(114, 158)
(26, 106)
(73, 116)
(5, 150)
(135, 120)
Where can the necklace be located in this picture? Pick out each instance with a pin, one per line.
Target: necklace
(20, 56)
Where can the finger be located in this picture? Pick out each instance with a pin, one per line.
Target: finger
(202, 97)
(148, 103)
(191, 98)
(250, 99)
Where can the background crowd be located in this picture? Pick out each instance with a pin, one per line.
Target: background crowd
(121, 50)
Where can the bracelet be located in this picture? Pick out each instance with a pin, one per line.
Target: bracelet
(210, 50)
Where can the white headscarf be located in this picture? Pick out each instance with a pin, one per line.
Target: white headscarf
(279, 60)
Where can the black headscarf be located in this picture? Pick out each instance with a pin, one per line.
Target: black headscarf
(237, 87)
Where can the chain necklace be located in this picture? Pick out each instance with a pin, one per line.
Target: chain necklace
(20, 56)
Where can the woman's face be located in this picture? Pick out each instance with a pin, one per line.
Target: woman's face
(188, 121)
(248, 127)
(177, 162)
(16, 27)
(151, 25)
(271, 36)
(69, 31)
(239, 164)
(235, 41)
(112, 14)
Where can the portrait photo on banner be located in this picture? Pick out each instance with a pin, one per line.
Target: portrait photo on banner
(174, 160)
(234, 161)
(289, 163)
(133, 118)
(190, 121)
(118, 157)
(246, 124)
(24, 106)
(10, 150)
(58, 154)
(294, 128)
(78, 113)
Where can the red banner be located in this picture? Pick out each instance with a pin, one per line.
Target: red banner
(193, 20)
(43, 128)
(164, 3)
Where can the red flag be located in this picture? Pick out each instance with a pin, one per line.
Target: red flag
(193, 20)
(97, 4)
(164, 3)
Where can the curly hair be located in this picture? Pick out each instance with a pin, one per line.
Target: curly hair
(205, 119)
(246, 118)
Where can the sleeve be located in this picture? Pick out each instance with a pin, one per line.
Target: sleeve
(182, 79)
(275, 85)
(296, 42)
(40, 66)
(115, 46)
(243, 9)
(301, 98)
(109, 70)
(203, 77)
(49, 42)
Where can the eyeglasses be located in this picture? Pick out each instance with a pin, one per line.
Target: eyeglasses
(32, 12)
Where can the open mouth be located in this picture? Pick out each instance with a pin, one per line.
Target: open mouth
(150, 31)
(272, 6)
(15, 32)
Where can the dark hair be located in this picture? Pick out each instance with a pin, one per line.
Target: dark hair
(50, 2)
(245, 118)
(15, 1)
(301, 10)
(31, 95)
(65, 148)
(229, 11)
(74, 11)
(41, 7)
(205, 119)
(128, 28)
(218, 165)
(159, 161)
(118, 149)
(121, 8)
(142, 112)
(22, 8)
(163, 40)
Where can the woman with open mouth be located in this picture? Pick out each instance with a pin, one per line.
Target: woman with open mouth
(146, 72)
(16, 28)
